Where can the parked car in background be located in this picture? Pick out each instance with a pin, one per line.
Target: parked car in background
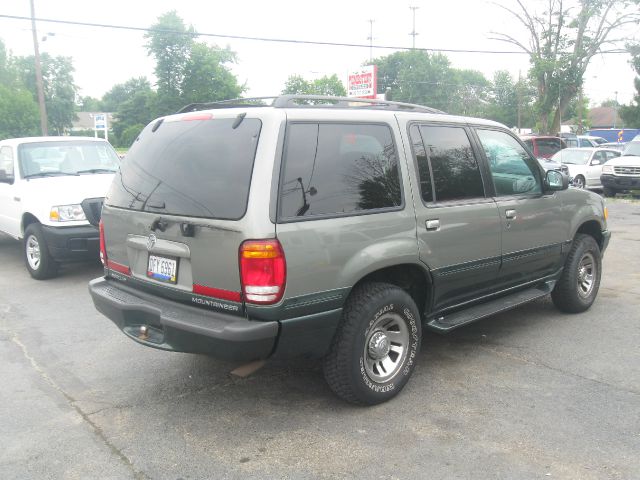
(51, 192)
(581, 141)
(585, 164)
(614, 145)
(544, 146)
(622, 174)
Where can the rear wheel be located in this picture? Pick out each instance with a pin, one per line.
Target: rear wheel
(578, 286)
(37, 258)
(375, 348)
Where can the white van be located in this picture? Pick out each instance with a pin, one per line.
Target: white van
(51, 193)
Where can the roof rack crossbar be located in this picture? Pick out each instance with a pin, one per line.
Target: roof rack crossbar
(301, 101)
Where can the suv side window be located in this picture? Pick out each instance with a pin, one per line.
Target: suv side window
(6, 160)
(334, 169)
(449, 162)
(511, 166)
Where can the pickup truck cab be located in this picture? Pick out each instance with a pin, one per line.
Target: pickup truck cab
(51, 191)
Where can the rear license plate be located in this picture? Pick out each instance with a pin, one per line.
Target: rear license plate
(162, 268)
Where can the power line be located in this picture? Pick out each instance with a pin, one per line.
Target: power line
(273, 40)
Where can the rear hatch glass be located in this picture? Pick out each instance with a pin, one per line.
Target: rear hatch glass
(196, 168)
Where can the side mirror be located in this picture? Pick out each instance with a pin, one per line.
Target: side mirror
(595, 161)
(5, 178)
(555, 180)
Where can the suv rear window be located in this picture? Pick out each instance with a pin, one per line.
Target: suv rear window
(196, 168)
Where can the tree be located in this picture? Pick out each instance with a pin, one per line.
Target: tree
(89, 104)
(19, 114)
(170, 42)
(207, 77)
(330, 86)
(134, 103)
(122, 92)
(562, 40)
(59, 90)
(631, 113)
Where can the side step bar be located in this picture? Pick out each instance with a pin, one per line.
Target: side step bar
(447, 323)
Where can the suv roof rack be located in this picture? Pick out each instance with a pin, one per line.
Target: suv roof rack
(301, 101)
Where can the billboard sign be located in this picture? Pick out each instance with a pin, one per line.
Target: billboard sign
(363, 83)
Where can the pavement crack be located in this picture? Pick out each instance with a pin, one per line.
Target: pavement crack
(504, 354)
(137, 474)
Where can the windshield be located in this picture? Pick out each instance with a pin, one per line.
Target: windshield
(73, 157)
(572, 157)
(197, 168)
(632, 148)
(548, 146)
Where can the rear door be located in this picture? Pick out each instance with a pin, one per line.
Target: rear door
(458, 226)
(175, 215)
(533, 226)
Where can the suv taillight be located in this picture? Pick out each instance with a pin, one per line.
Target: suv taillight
(263, 271)
(103, 248)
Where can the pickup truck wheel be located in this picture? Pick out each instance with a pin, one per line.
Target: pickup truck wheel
(375, 348)
(578, 286)
(579, 182)
(37, 258)
(607, 192)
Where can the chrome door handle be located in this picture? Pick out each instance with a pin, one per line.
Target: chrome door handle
(433, 225)
(510, 214)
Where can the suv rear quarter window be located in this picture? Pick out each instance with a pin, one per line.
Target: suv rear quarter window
(337, 168)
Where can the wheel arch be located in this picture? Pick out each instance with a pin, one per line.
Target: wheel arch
(27, 219)
(412, 278)
(593, 229)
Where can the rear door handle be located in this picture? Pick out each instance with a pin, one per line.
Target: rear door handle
(433, 225)
(510, 214)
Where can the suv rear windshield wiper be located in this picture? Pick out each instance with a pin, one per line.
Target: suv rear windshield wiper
(96, 170)
(48, 174)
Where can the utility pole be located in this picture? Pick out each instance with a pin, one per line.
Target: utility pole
(370, 38)
(39, 83)
(413, 32)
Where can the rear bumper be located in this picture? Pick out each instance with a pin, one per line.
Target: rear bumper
(72, 243)
(618, 183)
(181, 328)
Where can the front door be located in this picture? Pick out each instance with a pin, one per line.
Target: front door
(458, 227)
(533, 227)
(9, 200)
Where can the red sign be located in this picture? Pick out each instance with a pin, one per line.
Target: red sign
(363, 83)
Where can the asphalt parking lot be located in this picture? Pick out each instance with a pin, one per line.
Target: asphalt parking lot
(530, 393)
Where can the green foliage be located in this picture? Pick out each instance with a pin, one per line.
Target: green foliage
(122, 92)
(206, 76)
(59, 90)
(130, 134)
(330, 86)
(19, 115)
(562, 41)
(188, 71)
(630, 114)
(89, 104)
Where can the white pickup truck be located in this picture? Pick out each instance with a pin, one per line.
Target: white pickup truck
(51, 192)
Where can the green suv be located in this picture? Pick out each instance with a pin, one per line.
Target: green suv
(335, 228)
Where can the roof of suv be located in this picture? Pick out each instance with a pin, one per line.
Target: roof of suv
(301, 103)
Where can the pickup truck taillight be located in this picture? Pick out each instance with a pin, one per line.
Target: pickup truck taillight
(263, 271)
(103, 248)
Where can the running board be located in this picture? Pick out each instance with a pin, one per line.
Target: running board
(457, 319)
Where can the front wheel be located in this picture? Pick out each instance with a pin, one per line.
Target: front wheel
(578, 286)
(376, 346)
(37, 258)
(579, 182)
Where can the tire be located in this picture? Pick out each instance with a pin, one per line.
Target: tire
(376, 346)
(607, 192)
(37, 258)
(579, 182)
(578, 286)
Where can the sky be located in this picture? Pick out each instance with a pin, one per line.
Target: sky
(104, 57)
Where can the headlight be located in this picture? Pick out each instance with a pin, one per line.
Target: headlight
(66, 213)
(607, 169)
